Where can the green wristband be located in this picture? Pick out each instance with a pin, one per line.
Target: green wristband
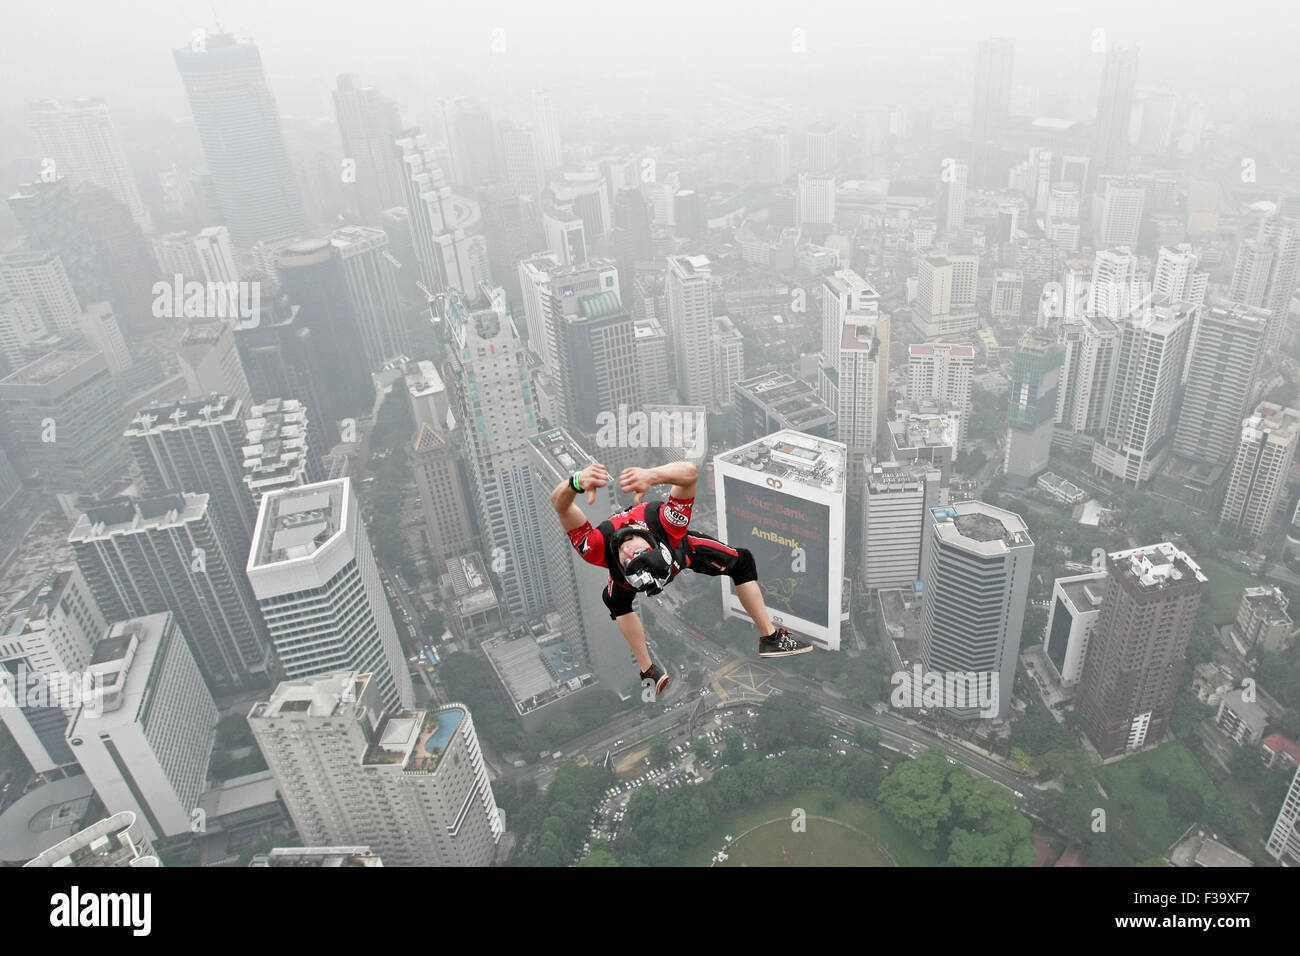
(574, 482)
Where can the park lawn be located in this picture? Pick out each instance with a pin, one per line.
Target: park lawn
(1149, 809)
(822, 843)
(867, 817)
(1226, 584)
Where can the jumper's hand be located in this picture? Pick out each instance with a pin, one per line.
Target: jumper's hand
(636, 480)
(593, 476)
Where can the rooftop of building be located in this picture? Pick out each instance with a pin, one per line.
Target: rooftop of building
(1267, 602)
(204, 333)
(43, 817)
(561, 453)
(318, 856)
(105, 843)
(792, 400)
(422, 379)
(930, 348)
(1215, 854)
(924, 429)
(128, 514)
(1084, 591)
(296, 522)
(1157, 565)
(50, 367)
(901, 611)
(326, 695)
(980, 527)
(183, 413)
(36, 604)
(792, 456)
(536, 669)
(414, 739)
(1280, 743)
(1248, 710)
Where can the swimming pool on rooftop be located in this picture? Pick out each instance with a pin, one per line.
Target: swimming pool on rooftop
(448, 721)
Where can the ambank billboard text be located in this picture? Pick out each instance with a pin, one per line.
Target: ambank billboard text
(790, 541)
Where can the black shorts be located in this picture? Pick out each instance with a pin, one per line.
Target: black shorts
(704, 554)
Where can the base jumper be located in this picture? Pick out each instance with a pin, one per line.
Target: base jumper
(649, 544)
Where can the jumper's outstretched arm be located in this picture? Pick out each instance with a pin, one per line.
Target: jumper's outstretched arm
(682, 475)
(564, 497)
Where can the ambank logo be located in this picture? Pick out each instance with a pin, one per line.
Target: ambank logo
(946, 690)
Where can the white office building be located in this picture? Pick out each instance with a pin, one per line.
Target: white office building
(689, 294)
(976, 579)
(1076, 608)
(318, 586)
(409, 784)
(1148, 365)
(1260, 469)
(51, 632)
(147, 749)
(894, 506)
(783, 498)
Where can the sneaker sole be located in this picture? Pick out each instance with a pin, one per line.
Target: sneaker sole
(769, 654)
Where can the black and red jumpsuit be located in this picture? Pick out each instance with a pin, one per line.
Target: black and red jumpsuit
(667, 522)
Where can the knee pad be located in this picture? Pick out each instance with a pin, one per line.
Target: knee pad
(745, 570)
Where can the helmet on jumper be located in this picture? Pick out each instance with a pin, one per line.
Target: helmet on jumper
(650, 569)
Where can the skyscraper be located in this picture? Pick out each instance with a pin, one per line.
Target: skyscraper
(1265, 452)
(368, 126)
(42, 282)
(821, 148)
(1122, 205)
(1083, 395)
(1035, 375)
(650, 354)
(316, 579)
(195, 446)
(548, 126)
(976, 573)
(103, 250)
(689, 294)
(315, 279)
(816, 199)
(65, 415)
(149, 748)
(1114, 110)
(472, 139)
(277, 448)
(1176, 278)
(1136, 655)
(894, 504)
(576, 586)
(205, 256)
(946, 295)
(589, 338)
(783, 498)
(1222, 374)
(410, 784)
(494, 404)
(955, 177)
(148, 555)
(209, 361)
(1149, 358)
(371, 280)
(80, 139)
(860, 390)
(239, 129)
(994, 64)
(435, 459)
(941, 374)
(522, 158)
(449, 253)
(50, 631)
(727, 353)
(773, 156)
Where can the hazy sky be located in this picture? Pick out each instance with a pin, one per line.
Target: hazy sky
(603, 58)
(123, 49)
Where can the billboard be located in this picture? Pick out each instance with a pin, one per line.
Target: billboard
(790, 539)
